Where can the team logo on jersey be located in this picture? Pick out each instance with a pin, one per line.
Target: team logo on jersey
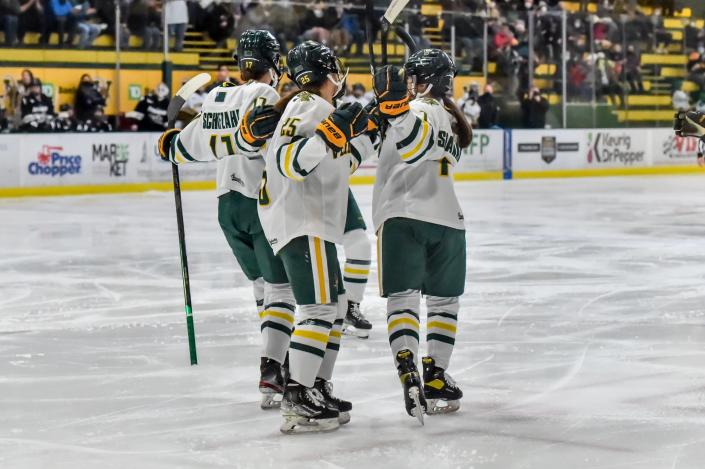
(51, 161)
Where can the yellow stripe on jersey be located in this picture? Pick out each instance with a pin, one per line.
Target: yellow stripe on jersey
(335, 334)
(312, 335)
(410, 321)
(288, 164)
(442, 325)
(319, 269)
(418, 146)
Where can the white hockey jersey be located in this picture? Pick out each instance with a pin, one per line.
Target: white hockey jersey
(305, 188)
(214, 135)
(415, 170)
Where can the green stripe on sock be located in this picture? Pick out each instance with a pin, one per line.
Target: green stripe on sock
(307, 348)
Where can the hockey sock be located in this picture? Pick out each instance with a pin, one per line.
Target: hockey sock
(258, 290)
(357, 264)
(309, 341)
(277, 320)
(442, 327)
(333, 346)
(403, 321)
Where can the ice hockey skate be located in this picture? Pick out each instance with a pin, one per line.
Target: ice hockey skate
(442, 394)
(342, 406)
(414, 399)
(305, 410)
(355, 322)
(271, 383)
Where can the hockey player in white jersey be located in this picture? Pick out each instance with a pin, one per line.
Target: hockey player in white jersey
(358, 257)
(302, 206)
(213, 135)
(419, 222)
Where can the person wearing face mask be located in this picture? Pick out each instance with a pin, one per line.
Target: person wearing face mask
(214, 135)
(150, 112)
(37, 110)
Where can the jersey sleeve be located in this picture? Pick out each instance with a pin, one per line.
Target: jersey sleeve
(191, 145)
(417, 130)
(298, 154)
(264, 95)
(361, 148)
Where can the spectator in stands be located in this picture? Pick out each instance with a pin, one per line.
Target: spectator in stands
(65, 120)
(105, 12)
(580, 79)
(221, 22)
(63, 21)
(534, 108)
(222, 76)
(489, 110)
(150, 112)
(88, 31)
(10, 11)
(88, 98)
(317, 23)
(356, 95)
(351, 22)
(416, 24)
(632, 67)
(696, 69)
(37, 110)
(469, 104)
(32, 18)
(177, 19)
(607, 80)
(97, 123)
(25, 83)
(143, 20)
(469, 32)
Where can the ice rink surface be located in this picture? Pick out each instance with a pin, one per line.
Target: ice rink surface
(581, 342)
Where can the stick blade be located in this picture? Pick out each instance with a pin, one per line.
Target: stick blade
(188, 88)
(395, 7)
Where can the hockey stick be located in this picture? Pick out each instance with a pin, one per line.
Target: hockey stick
(406, 38)
(172, 113)
(369, 31)
(393, 11)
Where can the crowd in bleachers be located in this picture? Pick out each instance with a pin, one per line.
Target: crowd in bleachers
(605, 39)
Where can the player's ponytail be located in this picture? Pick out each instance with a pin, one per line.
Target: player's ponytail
(462, 127)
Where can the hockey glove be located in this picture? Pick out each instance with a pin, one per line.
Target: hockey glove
(258, 125)
(689, 124)
(164, 143)
(343, 124)
(391, 91)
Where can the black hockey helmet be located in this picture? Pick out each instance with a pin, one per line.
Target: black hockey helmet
(432, 67)
(258, 51)
(310, 63)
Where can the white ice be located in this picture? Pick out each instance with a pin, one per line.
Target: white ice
(581, 343)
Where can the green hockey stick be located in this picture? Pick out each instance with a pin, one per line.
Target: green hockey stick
(172, 113)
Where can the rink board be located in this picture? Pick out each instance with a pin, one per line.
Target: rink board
(59, 164)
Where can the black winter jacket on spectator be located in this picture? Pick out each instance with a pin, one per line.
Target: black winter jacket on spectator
(153, 113)
(489, 111)
(534, 110)
(37, 112)
(87, 101)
